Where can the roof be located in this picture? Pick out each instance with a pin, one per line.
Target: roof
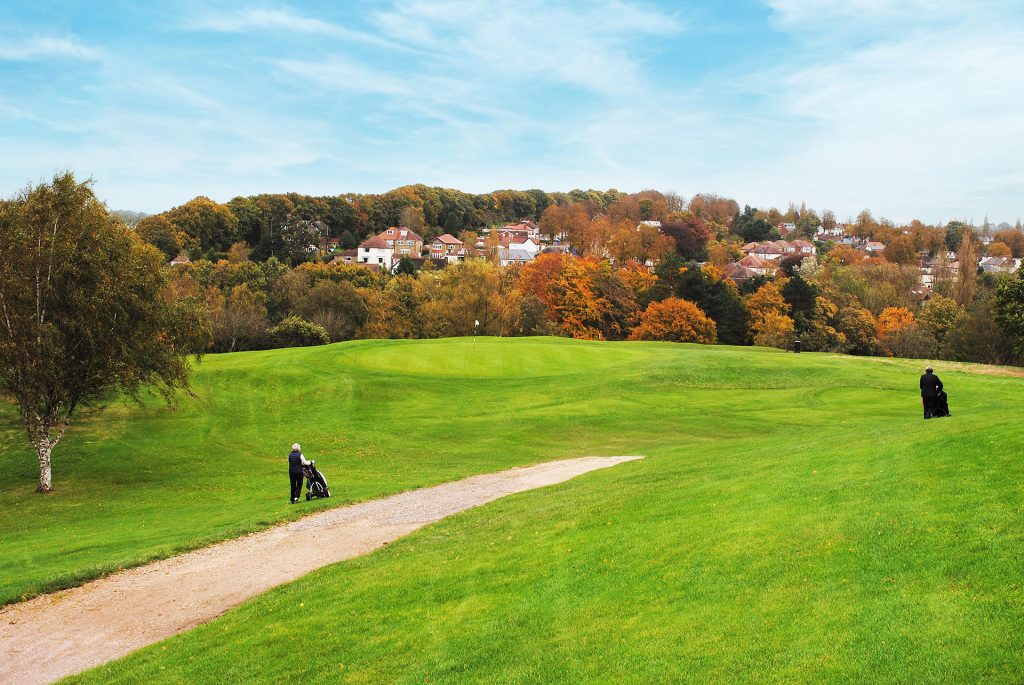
(737, 272)
(514, 255)
(181, 259)
(376, 242)
(396, 233)
(752, 261)
(801, 243)
(448, 239)
(521, 226)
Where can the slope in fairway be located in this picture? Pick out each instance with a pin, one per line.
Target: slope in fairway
(379, 417)
(794, 520)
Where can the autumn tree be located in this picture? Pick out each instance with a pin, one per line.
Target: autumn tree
(209, 225)
(715, 295)
(1012, 238)
(966, 282)
(161, 234)
(939, 315)
(82, 312)
(335, 306)
(239, 252)
(999, 249)
(773, 330)
(675, 320)
(901, 250)
(239, 318)
(860, 329)
(689, 234)
(767, 300)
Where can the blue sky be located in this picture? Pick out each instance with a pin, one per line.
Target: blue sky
(910, 108)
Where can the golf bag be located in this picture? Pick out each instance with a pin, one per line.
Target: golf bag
(941, 405)
(316, 484)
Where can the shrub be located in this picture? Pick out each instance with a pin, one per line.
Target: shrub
(296, 332)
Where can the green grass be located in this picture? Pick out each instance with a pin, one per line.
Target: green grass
(794, 520)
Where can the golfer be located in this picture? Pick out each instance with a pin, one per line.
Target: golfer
(295, 463)
(930, 387)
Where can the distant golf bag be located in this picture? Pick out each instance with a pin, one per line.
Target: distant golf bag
(941, 405)
(316, 484)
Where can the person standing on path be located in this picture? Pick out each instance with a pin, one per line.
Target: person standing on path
(295, 463)
(930, 387)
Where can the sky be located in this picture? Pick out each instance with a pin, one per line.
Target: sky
(911, 108)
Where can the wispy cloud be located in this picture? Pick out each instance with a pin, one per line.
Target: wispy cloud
(284, 19)
(596, 45)
(47, 47)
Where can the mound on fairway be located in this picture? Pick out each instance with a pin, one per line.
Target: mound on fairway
(795, 518)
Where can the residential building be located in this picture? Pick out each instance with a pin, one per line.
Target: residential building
(404, 241)
(444, 245)
(507, 256)
(375, 251)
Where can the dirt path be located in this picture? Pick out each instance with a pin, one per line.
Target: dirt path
(56, 635)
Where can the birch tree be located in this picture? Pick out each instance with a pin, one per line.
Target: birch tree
(83, 312)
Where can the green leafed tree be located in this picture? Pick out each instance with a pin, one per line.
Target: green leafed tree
(1009, 310)
(84, 314)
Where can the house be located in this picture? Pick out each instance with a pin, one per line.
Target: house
(444, 245)
(738, 274)
(769, 251)
(524, 229)
(652, 224)
(922, 294)
(376, 251)
(507, 257)
(874, 246)
(803, 247)
(346, 257)
(823, 233)
(528, 244)
(757, 264)
(786, 228)
(457, 256)
(999, 265)
(435, 262)
(180, 259)
(404, 241)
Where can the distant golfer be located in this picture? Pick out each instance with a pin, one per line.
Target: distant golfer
(295, 463)
(930, 389)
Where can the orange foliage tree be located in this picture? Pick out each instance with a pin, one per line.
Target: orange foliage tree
(675, 320)
(998, 249)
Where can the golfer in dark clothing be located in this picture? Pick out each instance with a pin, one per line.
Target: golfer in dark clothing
(930, 387)
(295, 463)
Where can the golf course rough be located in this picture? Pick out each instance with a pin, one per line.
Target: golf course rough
(794, 520)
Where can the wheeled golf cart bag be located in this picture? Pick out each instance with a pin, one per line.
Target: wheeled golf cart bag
(316, 484)
(941, 405)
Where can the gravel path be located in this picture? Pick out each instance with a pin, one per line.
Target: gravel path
(56, 635)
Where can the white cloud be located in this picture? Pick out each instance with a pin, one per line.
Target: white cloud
(280, 20)
(590, 44)
(921, 123)
(43, 47)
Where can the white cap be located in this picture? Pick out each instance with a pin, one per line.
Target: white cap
(296, 447)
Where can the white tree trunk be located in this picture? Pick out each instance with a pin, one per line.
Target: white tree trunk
(43, 450)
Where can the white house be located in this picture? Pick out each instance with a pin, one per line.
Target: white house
(375, 251)
(508, 256)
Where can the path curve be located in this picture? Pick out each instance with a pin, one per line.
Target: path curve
(59, 634)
